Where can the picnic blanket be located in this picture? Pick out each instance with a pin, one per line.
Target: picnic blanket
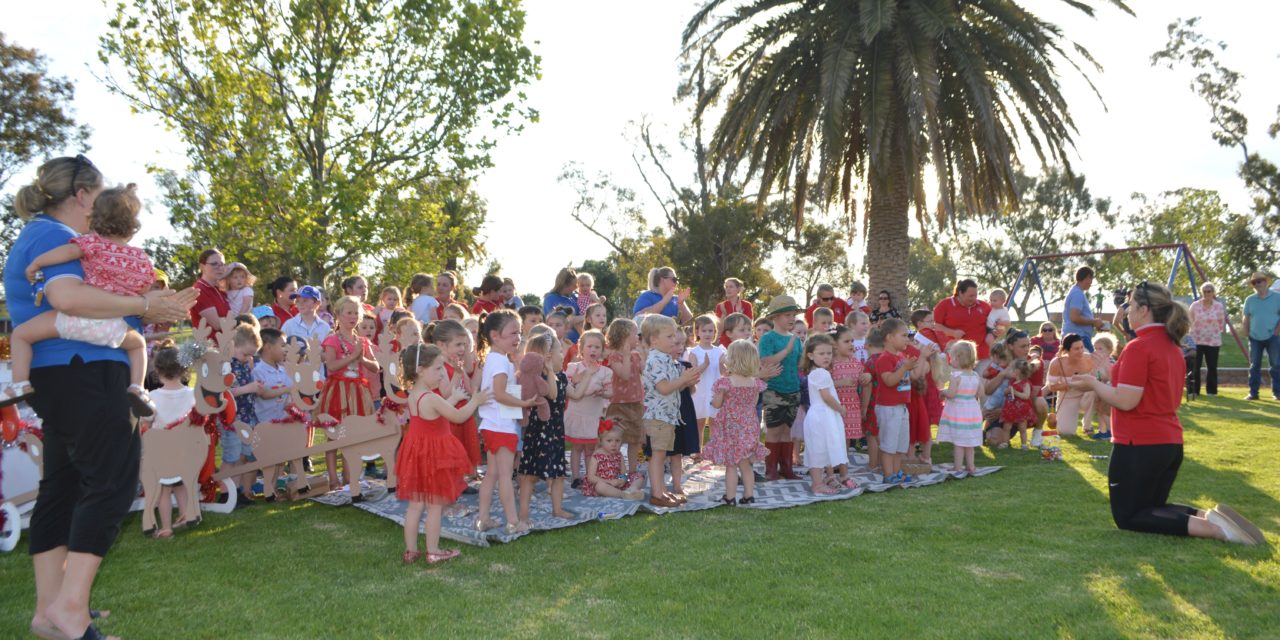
(703, 483)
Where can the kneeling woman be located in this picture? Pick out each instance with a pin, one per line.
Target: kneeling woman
(1146, 435)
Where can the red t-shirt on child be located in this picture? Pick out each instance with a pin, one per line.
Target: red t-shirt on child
(889, 395)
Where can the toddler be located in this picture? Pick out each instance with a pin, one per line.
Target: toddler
(245, 344)
(998, 318)
(272, 397)
(851, 381)
(823, 320)
(604, 468)
(238, 283)
(825, 446)
(706, 352)
(430, 462)
(110, 264)
(961, 422)
(663, 378)
(894, 369)
(542, 453)
(626, 408)
(590, 387)
(1103, 348)
(586, 293)
(735, 428)
(174, 401)
(1018, 411)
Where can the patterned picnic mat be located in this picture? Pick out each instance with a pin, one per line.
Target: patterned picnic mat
(703, 483)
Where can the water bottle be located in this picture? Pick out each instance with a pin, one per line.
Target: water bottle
(1098, 457)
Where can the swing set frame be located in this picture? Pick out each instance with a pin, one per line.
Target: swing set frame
(1183, 259)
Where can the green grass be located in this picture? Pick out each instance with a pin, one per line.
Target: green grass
(1029, 552)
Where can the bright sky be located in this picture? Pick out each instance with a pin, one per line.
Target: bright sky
(606, 64)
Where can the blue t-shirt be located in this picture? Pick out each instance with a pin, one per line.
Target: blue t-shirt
(1263, 314)
(40, 235)
(650, 298)
(1076, 299)
(789, 380)
(552, 300)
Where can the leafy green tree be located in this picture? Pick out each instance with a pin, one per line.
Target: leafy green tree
(821, 256)
(1218, 86)
(932, 274)
(311, 127)
(1055, 213)
(877, 95)
(608, 285)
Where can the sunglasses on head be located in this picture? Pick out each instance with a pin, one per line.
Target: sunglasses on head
(80, 162)
(1017, 335)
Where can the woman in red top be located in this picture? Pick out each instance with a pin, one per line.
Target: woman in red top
(1146, 435)
(211, 303)
(488, 295)
(282, 290)
(732, 303)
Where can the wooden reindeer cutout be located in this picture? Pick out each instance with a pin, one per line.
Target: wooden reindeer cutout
(170, 455)
(389, 362)
(306, 372)
(24, 468)
(215, 404)
(364, 438)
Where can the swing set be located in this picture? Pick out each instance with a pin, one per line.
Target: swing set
(1183, 259)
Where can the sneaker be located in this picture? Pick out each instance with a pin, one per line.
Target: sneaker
(1101, 435)
(1037, 437)
(1252, 396)
(1241, 522)
(894, 479)
(1230, 528)
(906, 478)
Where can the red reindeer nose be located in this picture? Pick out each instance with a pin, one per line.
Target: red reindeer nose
(228, 379)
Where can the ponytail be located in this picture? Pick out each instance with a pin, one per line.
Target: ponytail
(417, 283)
(1164, 309)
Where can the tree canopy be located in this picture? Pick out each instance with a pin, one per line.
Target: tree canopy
(320, 132)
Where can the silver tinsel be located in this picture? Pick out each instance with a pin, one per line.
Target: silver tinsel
(191, 352)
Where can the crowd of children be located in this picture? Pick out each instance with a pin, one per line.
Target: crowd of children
(513, 390)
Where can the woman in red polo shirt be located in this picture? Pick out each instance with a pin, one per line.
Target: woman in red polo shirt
(211, 305)
(1146, 435)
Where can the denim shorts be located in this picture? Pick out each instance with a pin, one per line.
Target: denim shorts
(233, 448)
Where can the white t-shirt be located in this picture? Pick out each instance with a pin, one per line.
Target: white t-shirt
(424, 308)
(489, 412)
(998, 315)
(240, 300)
(171, 405)
(702, 392)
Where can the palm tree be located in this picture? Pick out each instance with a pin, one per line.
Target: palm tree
(877, 92)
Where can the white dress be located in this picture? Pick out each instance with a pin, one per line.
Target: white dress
(824, 444)
(702, 392)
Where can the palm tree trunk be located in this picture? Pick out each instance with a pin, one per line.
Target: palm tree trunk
(887, 240)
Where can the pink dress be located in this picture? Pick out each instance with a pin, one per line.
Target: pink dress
(735, 430)
(849, 396)
(582, 417)
(608, 467)
(119, 268)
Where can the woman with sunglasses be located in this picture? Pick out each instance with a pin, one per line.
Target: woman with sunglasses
(91, 449)
(561, 295)
(664, 297)
(884, 309)
(1047, 340)
(1146, 435)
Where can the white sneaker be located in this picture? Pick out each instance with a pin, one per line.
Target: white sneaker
(1241, 523)
(1037, 437)
(1233, 531)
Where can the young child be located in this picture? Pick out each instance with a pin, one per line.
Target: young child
(760, 327)
(272, 398)
(857, 299)
(596, 318)
(825, 447)
(586, 294)
(734, 327)
(348, 359)
(733, 304)
(589, 391)
(994, 432)
(852, 388)
(961, 422)
(488, 295)
(407, 331)
(542, 454)
(238, 283)
(420, 299)
(800, 329)
(707, 352)
(874, 346)
(1104, 347)
(454, 342)
(530, 316)
(663, 377)
(894, 368)
(687, 442)
(110, 264)
(266, 317)
(1018, 410)
(626, 408)
(430, 463)
(174, 400)
(999, 317)
(388, 303)
(735, 428)
(823, 321)
(604, 468)
(244, 346)
(499, 339)
(454, 311)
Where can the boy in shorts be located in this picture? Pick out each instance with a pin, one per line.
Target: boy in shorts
(894, 368)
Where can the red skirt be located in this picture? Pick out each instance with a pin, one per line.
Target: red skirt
(918, 412)
(1018, 410)
(470, 438)
(344, 397)
(431, 463)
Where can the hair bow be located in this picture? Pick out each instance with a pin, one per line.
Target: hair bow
(606, 426)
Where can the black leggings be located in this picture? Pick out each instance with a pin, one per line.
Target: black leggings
(91, 455)
(1209, 356)
(1141, 477)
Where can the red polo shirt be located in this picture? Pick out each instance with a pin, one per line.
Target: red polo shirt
(724, 309)
(483, 306)
(839, 309)
(282, 313)
(1153, 363)
(211, 297)
(971, 320)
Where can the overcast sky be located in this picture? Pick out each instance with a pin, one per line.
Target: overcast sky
(606, 63)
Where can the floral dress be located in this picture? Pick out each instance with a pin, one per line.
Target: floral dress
(735, 430)
(608, 467)
(543, 453)
(849, 396)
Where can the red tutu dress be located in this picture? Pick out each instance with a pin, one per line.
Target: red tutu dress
(466, 431)
(1018, 409)
(431, 463)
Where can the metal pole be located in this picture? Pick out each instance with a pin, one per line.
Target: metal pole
(1040, 285)
(1017, 283)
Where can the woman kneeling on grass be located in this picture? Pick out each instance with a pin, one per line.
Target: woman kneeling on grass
(1146, 434)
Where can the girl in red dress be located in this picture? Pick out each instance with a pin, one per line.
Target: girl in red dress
(1018, 408)
(455, 342)
(349, 360)
(431, 462)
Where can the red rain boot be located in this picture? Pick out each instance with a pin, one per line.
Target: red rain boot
(771, 461)
(788, 448)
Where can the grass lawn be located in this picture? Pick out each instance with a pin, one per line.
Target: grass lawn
(1029, 552)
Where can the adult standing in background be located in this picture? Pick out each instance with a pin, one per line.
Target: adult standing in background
(1077, 313)
(1208, 321)
(827, 299)
(664, 296)
(884, 308)
(282, 290)
(1262, 323)
(91, 449)
(561, 295)
(212, 304)
(963, 315)
(446, 282)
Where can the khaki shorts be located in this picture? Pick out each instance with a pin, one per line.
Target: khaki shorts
(628, 415)
(662, 435)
